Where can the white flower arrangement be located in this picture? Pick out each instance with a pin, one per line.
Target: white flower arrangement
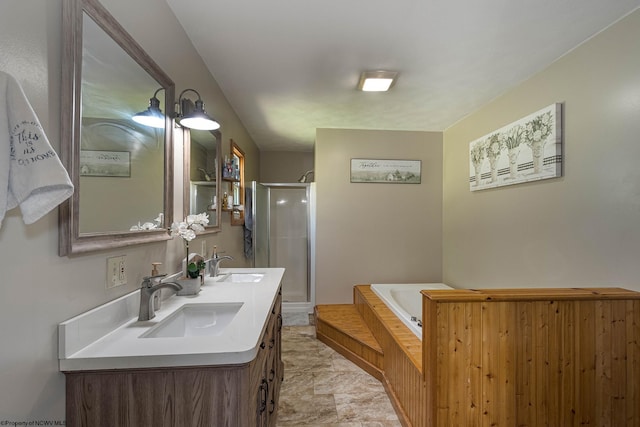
(188, 229)
(192, 225)
(149, 225)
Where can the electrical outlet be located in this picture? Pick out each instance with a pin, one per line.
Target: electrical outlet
(116, 271)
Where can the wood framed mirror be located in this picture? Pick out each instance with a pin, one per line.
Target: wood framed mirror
(122, 170)
(202, 151)
(233, 173)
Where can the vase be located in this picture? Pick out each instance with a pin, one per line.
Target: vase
(537, 148)
(189, 286)
(493, 162)
(478, 171)
(513, 162)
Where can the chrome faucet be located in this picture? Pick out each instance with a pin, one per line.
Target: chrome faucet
(146, 293)
(214, 264)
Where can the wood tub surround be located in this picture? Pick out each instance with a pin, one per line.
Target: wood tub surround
(341, 327)
(510, 357)
(532, 357)
(224, 395)
(402, 352)
(399, 362)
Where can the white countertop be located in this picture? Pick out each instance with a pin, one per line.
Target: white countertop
(117, 344)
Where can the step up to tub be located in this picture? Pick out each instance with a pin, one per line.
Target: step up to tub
(342, 328)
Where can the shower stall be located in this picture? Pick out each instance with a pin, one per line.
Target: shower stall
(283, 235)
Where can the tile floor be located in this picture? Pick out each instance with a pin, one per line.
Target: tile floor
(323, 389)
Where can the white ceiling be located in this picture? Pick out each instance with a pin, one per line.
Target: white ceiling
(288, 67)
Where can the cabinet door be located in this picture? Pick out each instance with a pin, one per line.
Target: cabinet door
(262, 391)
(259, 373)
(273, 382)
(275, 369)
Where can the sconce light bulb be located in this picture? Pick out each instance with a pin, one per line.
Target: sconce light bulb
(199, 119)
(152, 116)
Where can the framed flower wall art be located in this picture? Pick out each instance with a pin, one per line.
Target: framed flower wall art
(529, 149)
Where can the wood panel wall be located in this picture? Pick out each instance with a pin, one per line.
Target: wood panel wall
(537, 357)
(342, 328)
(402, 356)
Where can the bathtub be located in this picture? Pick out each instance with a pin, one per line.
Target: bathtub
(405, 301)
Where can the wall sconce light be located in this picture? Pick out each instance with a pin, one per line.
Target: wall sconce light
(377, 81)
(153, 115)
(196, 118)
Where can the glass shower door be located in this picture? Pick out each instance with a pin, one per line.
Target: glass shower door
(289, 240)
(281, 235)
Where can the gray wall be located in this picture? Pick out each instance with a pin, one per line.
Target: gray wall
(579, 230)
(39, 289)
(376, 233)
(285, 166)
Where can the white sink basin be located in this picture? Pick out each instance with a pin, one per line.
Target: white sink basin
(196, 320)
(242, 277)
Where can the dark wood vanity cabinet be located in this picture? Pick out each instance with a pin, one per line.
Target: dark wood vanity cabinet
(268, 369)
(204, 396)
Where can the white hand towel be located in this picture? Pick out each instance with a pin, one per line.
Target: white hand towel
(31, 174)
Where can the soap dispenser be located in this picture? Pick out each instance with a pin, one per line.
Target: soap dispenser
(154, 268)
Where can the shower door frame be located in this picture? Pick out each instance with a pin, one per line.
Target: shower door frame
(294, 307)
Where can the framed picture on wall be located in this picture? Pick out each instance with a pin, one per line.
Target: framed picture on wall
(105, 163)
(386, 171)
(529, 149)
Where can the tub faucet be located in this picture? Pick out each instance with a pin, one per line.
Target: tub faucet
(214, 264)
(146, 293)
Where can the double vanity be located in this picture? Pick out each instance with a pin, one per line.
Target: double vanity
(213, 359)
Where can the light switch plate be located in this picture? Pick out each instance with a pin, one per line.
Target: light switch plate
(116, 271)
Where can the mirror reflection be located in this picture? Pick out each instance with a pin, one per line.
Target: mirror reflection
(202, 175)
(122, 170)
(237, 185)
(120, 160)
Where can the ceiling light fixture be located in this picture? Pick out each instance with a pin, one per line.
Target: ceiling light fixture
(377, 81)
(197, 118)
(153, 115)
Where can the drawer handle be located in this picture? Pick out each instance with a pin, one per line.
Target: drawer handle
(272, 342)
(273, 407)
(272, 375)
(262, 345)
(279, 322)
(264, 392)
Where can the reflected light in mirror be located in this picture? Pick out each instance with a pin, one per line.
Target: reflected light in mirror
(152, 116)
